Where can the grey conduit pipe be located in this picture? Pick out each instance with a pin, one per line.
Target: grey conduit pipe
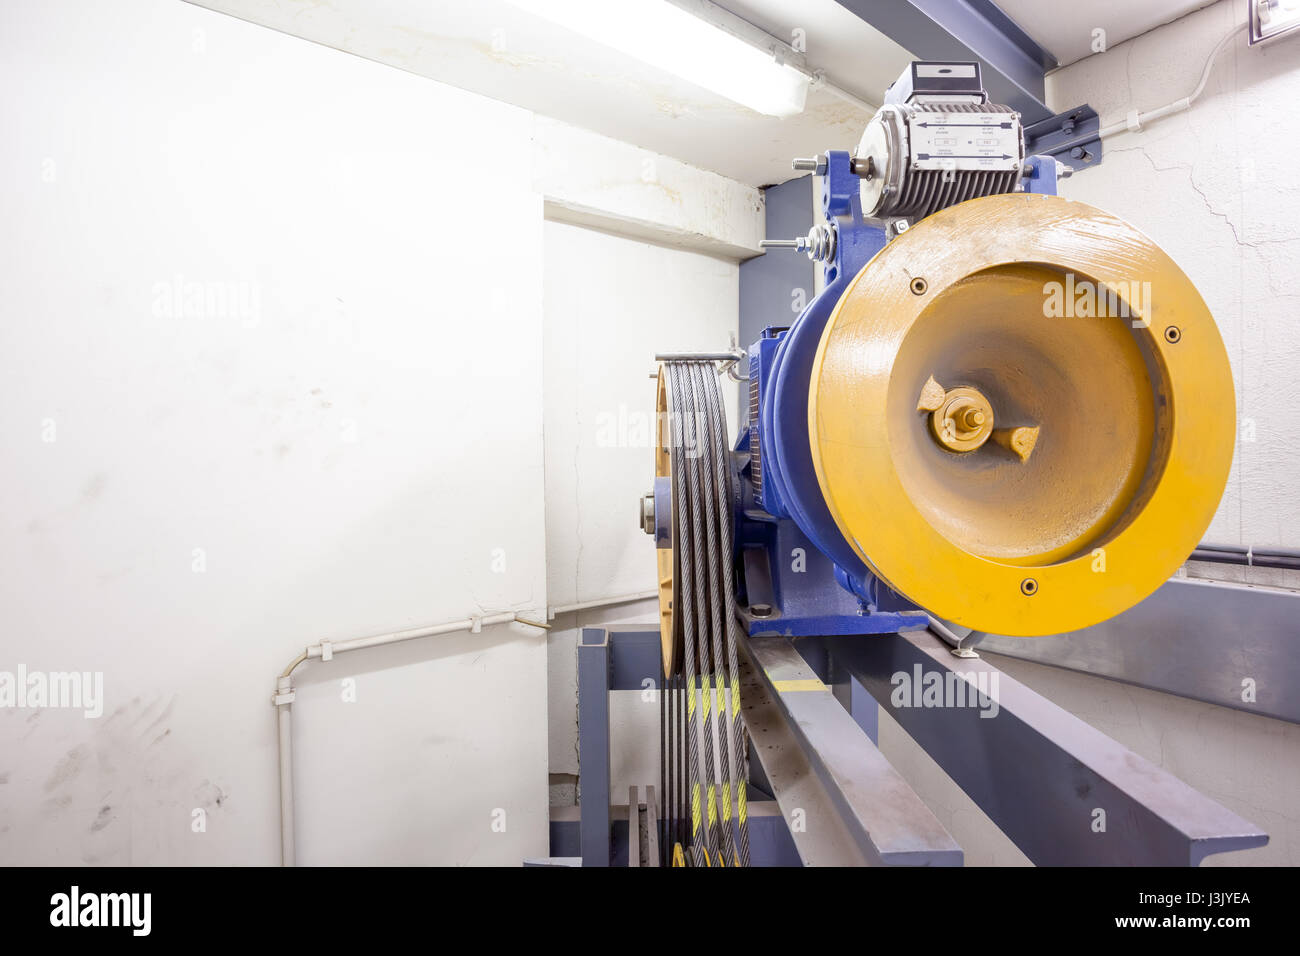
(1250, 557)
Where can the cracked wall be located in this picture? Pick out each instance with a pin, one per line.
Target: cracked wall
(1216, 187)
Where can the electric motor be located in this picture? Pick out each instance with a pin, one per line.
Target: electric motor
(1005, 410)
(937, 142)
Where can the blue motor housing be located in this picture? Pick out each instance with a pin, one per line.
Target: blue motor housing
(799, 576)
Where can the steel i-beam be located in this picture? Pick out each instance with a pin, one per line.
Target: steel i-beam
(1063, 792)
(844, 803)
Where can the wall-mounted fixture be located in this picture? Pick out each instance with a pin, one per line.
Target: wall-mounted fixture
(697, 41)
(1272, 18)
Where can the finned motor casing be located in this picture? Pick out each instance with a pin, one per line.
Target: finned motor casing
(936, 142)
(905, 176)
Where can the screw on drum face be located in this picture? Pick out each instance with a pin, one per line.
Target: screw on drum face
(1029, 587)
(1173, 334)
(919, 286)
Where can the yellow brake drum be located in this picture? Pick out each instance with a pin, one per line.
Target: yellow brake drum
(1022, 415)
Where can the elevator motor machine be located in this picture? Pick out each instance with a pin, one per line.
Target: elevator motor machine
(1005, 412)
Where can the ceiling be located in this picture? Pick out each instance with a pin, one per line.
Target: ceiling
(492, 48)
(1065, 29)
(495, 49)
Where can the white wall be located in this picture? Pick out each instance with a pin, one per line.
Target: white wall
(1215, 186)
(353, 441)
(346, 450)
(611, 303)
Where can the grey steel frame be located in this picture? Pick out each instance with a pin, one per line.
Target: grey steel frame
(841, 801)
(844, 803)
(1230, 644)
(594, 668)
(625, 660)
(1040, 773)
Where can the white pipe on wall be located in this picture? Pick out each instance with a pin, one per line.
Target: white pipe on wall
(285, 685)
(1136, 120)
(602, 602)
(325, 651)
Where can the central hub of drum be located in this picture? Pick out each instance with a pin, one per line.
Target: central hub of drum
(963, 421)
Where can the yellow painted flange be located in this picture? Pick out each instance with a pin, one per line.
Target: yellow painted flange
(1094, 351)
(670, 637)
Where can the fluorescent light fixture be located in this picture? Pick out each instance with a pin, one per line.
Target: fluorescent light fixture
(664, 35)
(1271, 18)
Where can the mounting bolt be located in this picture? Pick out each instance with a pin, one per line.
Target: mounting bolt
(1029, 587)
(918, 286)
(815, 165)
(1173, 334)
(819, 243)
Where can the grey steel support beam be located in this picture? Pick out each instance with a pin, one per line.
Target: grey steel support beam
(1063, 792)
(853, 697)
(1228, 644)
(820, 836)
(635, 657)
(774, 284)
(1072, 137)
(593, 744)
(845, 804)
(848, 691)
(633, 827)
(608, 661)
(1013, 66)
